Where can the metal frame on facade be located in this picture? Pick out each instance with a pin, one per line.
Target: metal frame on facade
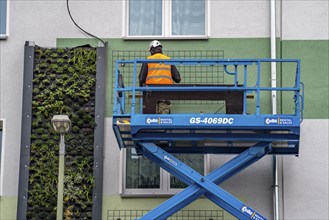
(101, 69)
(26, 130)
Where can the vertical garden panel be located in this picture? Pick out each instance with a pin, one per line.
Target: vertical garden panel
(65, 81)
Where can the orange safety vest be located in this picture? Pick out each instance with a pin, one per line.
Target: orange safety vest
(158, 73)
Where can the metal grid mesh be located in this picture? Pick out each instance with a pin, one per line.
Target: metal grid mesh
(189, 74)
(181, 215)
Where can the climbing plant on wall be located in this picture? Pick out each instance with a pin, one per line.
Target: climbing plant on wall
(63, 83)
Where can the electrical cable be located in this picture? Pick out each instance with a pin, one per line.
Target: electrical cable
(68, 10)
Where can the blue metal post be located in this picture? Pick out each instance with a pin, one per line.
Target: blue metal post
(258, 90)
(133, 100)
(115, 105)
(236, 75)
(245, 92)
(297, 110)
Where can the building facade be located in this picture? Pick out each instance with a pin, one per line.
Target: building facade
(241, 29)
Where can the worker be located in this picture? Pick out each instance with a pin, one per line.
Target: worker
(159, 74)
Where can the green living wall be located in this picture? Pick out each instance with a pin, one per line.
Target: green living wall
(63, 83)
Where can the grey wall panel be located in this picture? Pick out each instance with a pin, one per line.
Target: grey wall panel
(112, 174)
(252, 185)
(305, 20)
(230, 19)
(306, 177)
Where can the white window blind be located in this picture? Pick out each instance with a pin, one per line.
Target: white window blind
(166, 18)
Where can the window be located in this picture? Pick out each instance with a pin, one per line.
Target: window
(166, 18)
(3, 19)
(142, 177)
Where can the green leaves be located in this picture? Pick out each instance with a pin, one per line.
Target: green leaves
(63, 83)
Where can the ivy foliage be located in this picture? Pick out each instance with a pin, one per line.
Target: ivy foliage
(64, 82)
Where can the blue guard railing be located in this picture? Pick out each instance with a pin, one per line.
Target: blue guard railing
(249, 76)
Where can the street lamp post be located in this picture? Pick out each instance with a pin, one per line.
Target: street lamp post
(61, 124)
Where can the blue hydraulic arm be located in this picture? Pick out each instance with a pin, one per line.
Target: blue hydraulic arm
(206, 185)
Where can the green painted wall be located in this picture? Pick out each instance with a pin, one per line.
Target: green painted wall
(313, 54)
(119, 203)
(8, 207)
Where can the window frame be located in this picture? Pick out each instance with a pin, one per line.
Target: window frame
(164, 190)
(4, 5)
(166, 24)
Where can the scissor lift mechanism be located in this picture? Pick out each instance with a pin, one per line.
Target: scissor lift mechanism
(251, 136)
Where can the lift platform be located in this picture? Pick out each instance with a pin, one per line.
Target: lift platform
(246, 128)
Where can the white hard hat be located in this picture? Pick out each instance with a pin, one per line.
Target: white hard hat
(154, 43)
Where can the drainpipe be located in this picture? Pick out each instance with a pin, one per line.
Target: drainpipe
(274, 111)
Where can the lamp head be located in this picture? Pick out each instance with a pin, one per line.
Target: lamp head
(61, 123)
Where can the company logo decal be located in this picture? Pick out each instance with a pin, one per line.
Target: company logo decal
(156, 120)
(278, 121)
(251, 213)
(247, 210)
(170, 160)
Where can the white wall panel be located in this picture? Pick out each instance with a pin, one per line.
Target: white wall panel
(305, 20)
(239, 19)
(252, 185)
(306, 177)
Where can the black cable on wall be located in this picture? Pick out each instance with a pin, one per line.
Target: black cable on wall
(68, 10)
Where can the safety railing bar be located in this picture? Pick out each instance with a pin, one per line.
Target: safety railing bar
(190, 61)
(122, 115)
(298, 74)
(133, 101)
(141, 104)
(245, 92)
(116, 85)
(297, 92)
(123, 103)
(257, 89)
(302, 102)
(204, 88)
(215, 61)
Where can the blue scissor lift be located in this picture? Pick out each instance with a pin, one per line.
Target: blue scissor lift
(249, 135)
